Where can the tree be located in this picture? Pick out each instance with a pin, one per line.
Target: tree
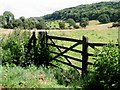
(1, 21)
(71, 22)
(84, 22)
(9, 19)
(62, 25)
(8, 14)
(17, 23)
(104, 18)
(22, 18)
(41, 24)
(22, 22)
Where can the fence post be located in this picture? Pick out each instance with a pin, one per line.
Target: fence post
(84, 55)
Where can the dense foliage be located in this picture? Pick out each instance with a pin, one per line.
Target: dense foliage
(104, 18)
(62, 25)
(7, 20)
(107, 67)
(13, 48)
(84, 22)
(71, 22)
(105, 75)
(90, 11)
(17, 49)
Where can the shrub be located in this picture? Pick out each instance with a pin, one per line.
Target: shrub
(84, 22)
(76, 26)
(62, 25)
(107, 67)
(71, 22)
(17, 50)
(106, 74)
(13, 47)
(116, 24)
(104, 18)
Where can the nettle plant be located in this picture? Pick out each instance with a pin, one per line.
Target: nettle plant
(107, 67)
(16, 49)
(13, 47)
(106, 74)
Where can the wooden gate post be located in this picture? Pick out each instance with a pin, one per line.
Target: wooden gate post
(43, 39)
(34, 46)
(84, 55)
(119, 44)
(43, 43)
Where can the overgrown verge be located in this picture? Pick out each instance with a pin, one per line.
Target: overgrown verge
(70, 77)
(30, 77)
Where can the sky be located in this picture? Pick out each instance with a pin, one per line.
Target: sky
(36, 8)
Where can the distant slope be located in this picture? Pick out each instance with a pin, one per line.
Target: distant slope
(91, 11)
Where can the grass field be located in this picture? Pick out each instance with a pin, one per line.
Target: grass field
(31, 77)
(93, 35)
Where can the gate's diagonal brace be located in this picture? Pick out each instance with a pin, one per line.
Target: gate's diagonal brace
(66, 50)
(60, 51)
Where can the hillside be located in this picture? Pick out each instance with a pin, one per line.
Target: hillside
(91, 11)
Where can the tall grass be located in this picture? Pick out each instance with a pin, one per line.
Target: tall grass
(31, 77)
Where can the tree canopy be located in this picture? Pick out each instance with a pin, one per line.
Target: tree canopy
(104, 18)
(90, 11)
(84, 22)
(71, 22)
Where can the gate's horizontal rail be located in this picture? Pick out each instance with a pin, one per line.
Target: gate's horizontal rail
(73, 58)
(63, 47)
(65, 39)
(98, 44)
(68, 64)
(76, 59)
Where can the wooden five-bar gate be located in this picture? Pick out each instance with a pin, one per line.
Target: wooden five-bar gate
(44, 42)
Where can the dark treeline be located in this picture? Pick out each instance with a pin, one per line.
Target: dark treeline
(90, 11)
